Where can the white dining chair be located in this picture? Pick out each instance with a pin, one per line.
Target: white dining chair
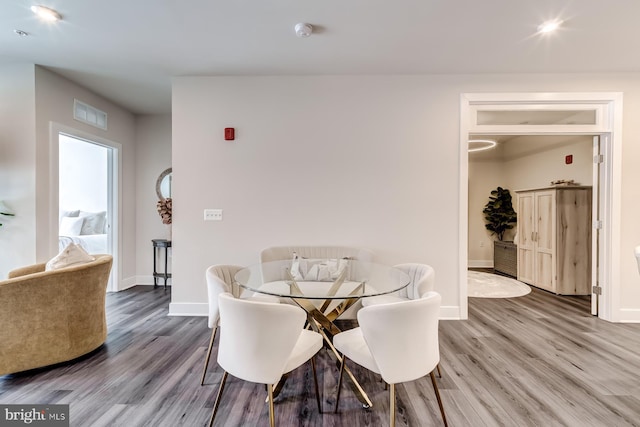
(422, 280)
(261, 341)
(220, 279)
(397, 340)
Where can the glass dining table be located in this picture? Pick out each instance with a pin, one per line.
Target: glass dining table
(325, 291)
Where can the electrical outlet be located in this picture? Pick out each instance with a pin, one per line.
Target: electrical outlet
(481, 243)
(213, 214)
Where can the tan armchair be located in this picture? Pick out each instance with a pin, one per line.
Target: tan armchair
(48, 317)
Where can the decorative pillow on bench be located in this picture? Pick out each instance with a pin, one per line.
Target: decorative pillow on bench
(317, 269)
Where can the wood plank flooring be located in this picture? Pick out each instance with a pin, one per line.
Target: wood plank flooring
(538, 360)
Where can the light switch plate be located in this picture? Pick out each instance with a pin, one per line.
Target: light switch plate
(213, 214)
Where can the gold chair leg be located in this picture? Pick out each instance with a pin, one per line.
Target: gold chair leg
(344, 361)
(435, 388)
(315, 380)
(392, 405)
(272, 417)
(206, 361)
(218, 396)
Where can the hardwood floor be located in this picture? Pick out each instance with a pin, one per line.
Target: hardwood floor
(538, 360)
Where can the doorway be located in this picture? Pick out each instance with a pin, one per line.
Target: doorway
(85, 194)
(526, 162)
(536, 114)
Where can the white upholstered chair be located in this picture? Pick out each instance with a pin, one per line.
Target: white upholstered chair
(422, 281)
(397, 340)
(220, 280)
(261, 341)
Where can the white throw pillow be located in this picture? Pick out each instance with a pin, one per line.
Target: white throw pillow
(94, 222)
(69, 213)
(70, 226)
(317, 269)
(71, 255)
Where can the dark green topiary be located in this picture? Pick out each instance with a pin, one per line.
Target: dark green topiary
(499, 213)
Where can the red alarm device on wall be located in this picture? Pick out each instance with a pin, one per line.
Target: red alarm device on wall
(229, 134)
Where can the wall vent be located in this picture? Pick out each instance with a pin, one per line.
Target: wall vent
(85, 113)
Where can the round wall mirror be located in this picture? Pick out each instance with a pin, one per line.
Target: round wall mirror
(163, 185)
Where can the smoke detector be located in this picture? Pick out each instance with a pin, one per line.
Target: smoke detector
(303, 30)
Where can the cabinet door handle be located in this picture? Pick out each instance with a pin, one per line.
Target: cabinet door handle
(533, 236)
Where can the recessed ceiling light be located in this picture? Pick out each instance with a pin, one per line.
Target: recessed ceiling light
(21, 33)
(549, 26)
(46, 14)
(481, 144)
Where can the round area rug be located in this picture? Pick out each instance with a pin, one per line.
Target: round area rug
(487, 285)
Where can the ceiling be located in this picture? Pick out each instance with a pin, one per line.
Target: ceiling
(511, 147)
(128, 50)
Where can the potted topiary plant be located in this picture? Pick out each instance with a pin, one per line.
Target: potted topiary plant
(500, 217)
(499, 213)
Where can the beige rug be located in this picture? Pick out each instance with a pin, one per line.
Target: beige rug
(487, 285)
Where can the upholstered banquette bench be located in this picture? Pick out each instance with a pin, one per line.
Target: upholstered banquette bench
(283, 253)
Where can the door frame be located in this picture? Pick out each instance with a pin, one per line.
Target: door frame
(114, 192)
(610, 182)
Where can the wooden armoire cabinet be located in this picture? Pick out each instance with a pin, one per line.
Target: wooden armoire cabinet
(554, 239)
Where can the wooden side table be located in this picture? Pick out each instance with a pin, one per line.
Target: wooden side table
(158, 246)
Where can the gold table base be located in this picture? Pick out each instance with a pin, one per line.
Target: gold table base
(323, 322)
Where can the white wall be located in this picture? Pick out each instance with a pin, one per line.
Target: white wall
(17, 166)
(54, 103)
(538, 168)
(153, 154)
(484, 176)
(524, 162)
(368, 161)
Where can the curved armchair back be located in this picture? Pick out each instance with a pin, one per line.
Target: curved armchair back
(422, 280)
(257, 338)
(403, 337)
(219, 280)
(48, 317)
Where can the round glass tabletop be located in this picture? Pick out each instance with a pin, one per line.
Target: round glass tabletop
(322, 279)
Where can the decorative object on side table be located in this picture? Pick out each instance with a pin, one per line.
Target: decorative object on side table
(164, 210)
(4, 210)
(164, 207)
(564, 182)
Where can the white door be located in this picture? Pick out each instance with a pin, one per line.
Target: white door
(596, 214)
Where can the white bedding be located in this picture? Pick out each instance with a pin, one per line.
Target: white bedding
(92, 243)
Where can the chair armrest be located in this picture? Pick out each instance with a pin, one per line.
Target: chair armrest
(23, 271)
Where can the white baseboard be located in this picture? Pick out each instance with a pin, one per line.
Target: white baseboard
(139, 280)
(127, 283)
(144, 280)
(479, 263)
(188, 309)
(629, 315)
(450, 312)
